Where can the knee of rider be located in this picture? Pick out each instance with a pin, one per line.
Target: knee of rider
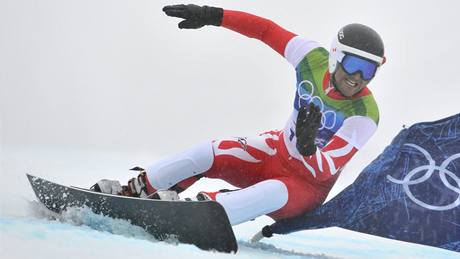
(169, 171)
(251, 202)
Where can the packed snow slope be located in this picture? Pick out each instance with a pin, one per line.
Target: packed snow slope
(30, 230)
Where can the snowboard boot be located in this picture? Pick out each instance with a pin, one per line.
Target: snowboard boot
(143, 189)
(108, 186)
(206, 196)
(165, 195)
(136, 186)
(211, 196)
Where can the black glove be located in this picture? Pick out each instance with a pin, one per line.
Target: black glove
(306, 129)
(195, 16)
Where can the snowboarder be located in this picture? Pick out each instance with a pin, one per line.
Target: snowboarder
(280, 173)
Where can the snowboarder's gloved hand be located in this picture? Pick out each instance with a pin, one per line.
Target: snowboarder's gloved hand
(306, 129)
(195, 16)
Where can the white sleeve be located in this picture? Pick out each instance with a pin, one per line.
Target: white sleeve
(357, 130)
(350, 138)
(297, 48)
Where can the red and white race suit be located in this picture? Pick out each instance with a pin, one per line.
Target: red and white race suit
(275, 179)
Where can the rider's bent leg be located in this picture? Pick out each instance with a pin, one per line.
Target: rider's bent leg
(239, 161)
(254, 201)
(179, 171)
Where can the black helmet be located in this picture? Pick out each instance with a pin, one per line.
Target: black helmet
(359, 40)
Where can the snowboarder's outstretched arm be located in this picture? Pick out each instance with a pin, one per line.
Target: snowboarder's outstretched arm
(247, 24)
(195, 16)
(259, 28)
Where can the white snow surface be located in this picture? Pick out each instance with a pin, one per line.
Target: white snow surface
(27, 229)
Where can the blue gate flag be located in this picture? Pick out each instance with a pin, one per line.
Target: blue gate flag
(410, 192)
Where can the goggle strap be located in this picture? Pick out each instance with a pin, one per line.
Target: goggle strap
(358, 52)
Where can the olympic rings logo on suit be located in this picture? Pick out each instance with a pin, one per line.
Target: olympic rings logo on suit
(430, 168)
(310, 97)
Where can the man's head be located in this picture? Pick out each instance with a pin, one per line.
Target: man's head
(356, 53)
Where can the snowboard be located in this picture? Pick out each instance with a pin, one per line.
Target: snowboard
(201, 223)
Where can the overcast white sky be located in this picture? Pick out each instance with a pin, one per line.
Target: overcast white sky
(119, 75)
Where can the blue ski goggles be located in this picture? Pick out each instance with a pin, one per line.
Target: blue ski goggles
(352, 64)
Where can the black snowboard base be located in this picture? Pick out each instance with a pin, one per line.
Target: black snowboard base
(201, 223)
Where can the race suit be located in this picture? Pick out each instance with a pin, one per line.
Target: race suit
(275, 179)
